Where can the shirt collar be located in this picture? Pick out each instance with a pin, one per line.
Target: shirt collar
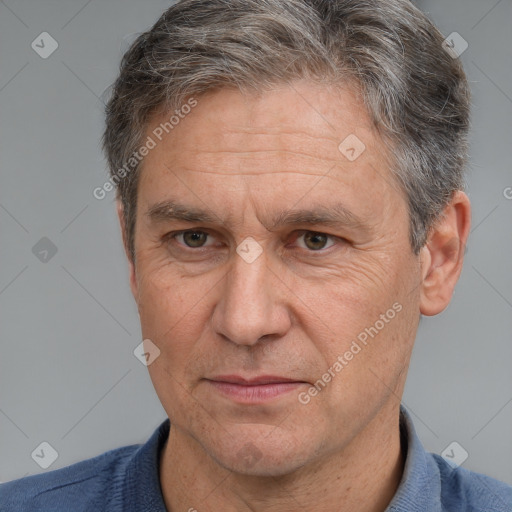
(142, 490)
(420, 482)
(419, 486)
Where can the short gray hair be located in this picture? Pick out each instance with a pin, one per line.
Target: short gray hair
(415, 91)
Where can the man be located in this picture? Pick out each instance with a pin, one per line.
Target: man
(289, 177)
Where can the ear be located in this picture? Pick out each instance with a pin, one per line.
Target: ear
(122, 223)
(443, 254)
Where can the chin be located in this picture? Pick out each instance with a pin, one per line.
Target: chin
(264, 457)
(266, 466)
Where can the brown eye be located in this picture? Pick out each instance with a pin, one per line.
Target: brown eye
(194, 238)
(315, 241)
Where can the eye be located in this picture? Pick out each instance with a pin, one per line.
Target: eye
(195, 239)
(192, 238)
(314, 241)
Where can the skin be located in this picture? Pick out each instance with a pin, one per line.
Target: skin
(292, 311)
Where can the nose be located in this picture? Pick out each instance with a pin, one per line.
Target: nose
(252, 303)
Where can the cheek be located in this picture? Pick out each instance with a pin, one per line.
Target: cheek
(349, 295)
(164, 297)
(366, 315)
(173, 315)
(173, 312)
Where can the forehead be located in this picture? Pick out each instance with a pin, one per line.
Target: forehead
(293, 116)
(298, 138)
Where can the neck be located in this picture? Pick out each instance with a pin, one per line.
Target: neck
(363, 476)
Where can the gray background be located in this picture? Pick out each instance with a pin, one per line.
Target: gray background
(69, 325)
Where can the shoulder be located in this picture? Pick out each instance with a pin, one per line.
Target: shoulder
(78, 487)
(468, 491)
(430, 483)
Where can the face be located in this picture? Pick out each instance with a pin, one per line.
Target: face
(275, 275)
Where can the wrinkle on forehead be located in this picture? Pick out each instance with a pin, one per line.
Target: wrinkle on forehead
(253, 156)
(248, 174)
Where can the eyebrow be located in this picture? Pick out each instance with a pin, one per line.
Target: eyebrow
(170, 210)
(335, 215)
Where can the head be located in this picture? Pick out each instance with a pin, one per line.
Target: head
(291, 203)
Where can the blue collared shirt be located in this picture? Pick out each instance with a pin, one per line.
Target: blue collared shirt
(126, 479)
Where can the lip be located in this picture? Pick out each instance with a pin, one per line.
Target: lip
(254, 390)
(252, 381)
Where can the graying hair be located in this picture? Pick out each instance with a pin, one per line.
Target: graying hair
(416, 93)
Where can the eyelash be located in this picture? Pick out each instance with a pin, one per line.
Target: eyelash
(173, 235)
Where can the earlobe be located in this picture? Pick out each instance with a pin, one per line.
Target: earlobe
(122, 224)
(443, 255)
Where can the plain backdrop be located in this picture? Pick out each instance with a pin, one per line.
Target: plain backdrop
(69, 325)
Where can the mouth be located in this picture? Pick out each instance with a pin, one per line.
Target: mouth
(255, 390)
